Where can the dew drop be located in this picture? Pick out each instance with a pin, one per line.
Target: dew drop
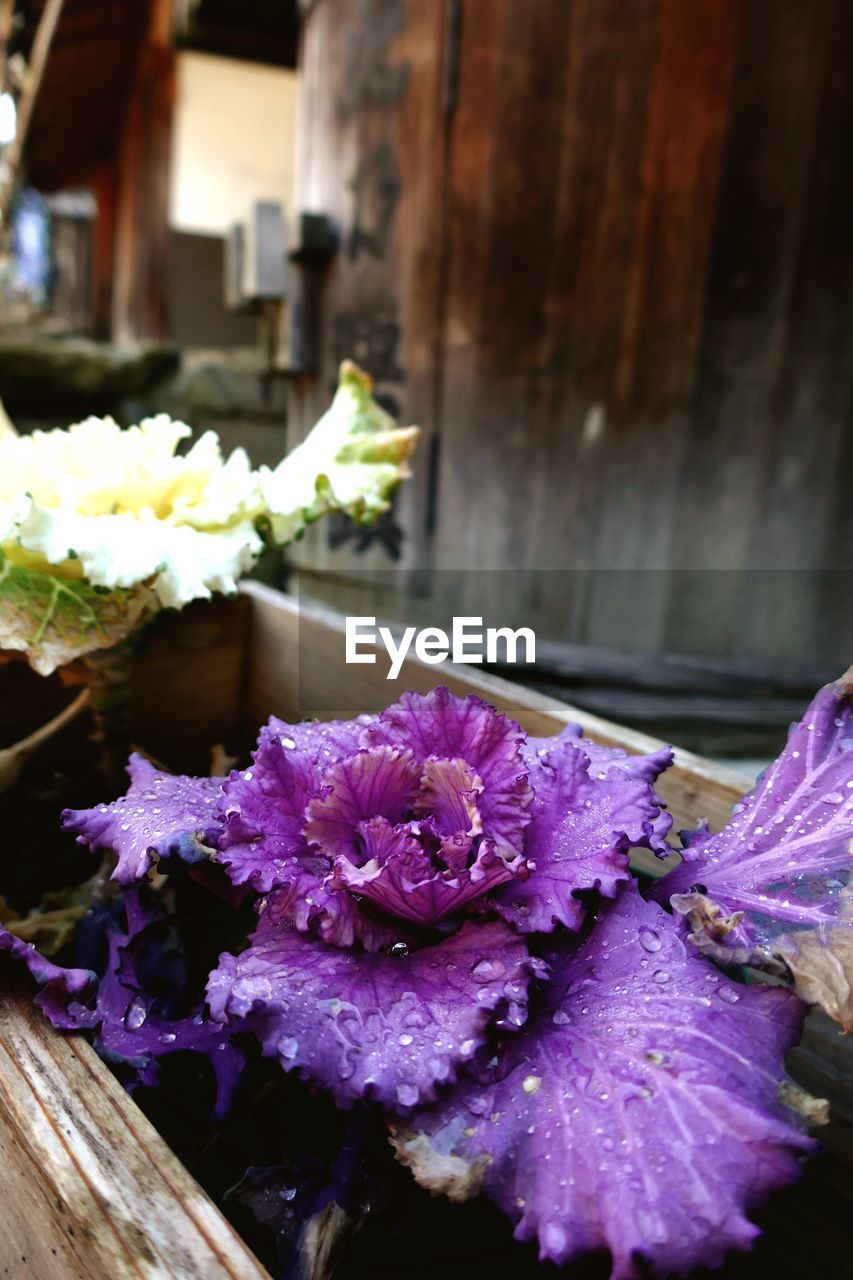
(649, 939)
(561, 1018)
(516, 1014)
(399, 949)
(488, 970)
(407, 1094)
(288, 1047)
(728, 994)
(288, 744)
(136, 1014)
(405, 1039)
(531, 1083)
(553, 1238)
(660, 976)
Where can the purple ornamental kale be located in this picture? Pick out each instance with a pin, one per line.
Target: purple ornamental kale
(639, 1110)
(772, 889)
(121, 998)
(410, 834)
(448, 926)
(163, 815)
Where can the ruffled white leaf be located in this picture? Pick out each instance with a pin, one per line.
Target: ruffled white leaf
(352, 461)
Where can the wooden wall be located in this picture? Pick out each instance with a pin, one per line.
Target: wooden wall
(603, 251)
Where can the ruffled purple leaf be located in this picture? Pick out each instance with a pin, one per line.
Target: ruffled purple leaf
(392, 1027)
(590, 807)
(773, 888)
(263, 809)
(137, 1023)
(63, 992)
(642, 768)
(640, 1110)
(163, 815)
(132, 1023)
(437, 724)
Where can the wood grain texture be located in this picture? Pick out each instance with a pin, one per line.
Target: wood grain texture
(142, 200)
(622, 272)
(371, 154)
(90, 1190)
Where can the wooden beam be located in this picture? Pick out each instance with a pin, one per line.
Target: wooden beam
(297, 667)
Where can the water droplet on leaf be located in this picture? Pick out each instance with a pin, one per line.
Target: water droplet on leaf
(487, 970)
(136, 1014)
(407, 1094)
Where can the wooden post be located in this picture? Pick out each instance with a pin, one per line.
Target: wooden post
(141, 218)
(371, 155)
(103, 252)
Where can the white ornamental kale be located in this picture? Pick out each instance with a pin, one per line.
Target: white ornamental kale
(100, 527)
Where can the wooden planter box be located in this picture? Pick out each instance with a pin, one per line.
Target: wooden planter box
(88, 1188)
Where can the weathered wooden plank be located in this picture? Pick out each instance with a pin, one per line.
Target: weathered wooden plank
(371, 155)
(623, 276)
(90, 1190)
(141, 224)
(678, 672)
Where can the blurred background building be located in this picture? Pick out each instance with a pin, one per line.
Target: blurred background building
(600, 249)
